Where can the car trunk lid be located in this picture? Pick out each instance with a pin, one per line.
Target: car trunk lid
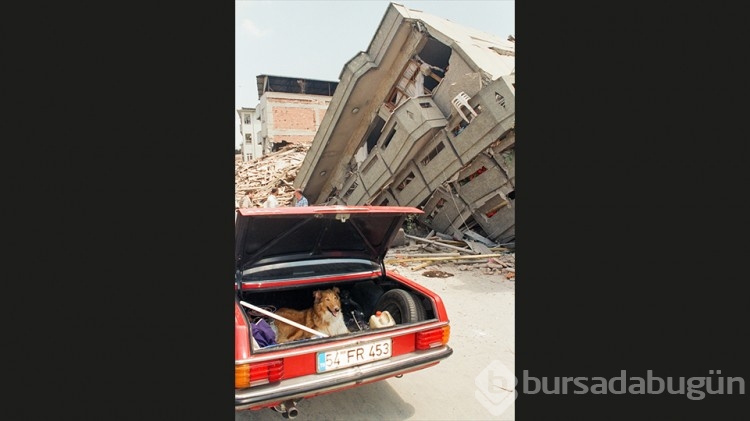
(290, 236)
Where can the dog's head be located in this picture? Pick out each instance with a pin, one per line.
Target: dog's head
(328, 301)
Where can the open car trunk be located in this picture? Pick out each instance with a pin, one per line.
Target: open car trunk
(362, 301)
(285, 255)
(328, 259)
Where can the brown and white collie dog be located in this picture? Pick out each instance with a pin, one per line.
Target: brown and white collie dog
(324, 316)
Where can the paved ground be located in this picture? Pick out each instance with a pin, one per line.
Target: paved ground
(469, 385)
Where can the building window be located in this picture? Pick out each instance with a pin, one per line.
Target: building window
(350, 190)
(405, 182)
(433, 153)
(388, 138)
(472, 176)
(462, 124)
(435, 211)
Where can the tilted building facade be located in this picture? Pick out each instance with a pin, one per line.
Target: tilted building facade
(425, 117)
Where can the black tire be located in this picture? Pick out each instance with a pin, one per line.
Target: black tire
(422, 313)
(401, 305)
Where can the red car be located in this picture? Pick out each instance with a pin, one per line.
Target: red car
(325, 264)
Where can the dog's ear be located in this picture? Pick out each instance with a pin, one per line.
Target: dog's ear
(336, 290)
(317, 295)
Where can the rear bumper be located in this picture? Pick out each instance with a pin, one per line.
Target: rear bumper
(313, 384)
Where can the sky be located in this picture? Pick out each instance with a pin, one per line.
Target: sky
(314, 39)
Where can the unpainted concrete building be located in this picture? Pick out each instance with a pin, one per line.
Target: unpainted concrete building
(425, 117)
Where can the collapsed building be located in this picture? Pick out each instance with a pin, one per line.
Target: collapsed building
(426, 118)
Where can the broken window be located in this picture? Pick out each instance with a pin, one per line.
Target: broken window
(409, 85)
(437, 55)
(430, 66)
(421, 87)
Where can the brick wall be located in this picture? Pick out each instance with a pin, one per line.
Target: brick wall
(288, 118)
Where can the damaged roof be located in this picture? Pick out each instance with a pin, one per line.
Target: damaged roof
(491, 53)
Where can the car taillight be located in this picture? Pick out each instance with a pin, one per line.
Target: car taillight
(432, 338)
(254, 374)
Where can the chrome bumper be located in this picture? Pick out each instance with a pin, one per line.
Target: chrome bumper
(301, 387)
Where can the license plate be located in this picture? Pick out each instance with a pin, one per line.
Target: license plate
(355, 355)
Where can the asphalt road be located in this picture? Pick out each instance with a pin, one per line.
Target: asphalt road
(471, 384)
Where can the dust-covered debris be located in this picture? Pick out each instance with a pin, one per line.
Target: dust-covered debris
(430, 253)
(276, 169)
(433, 252)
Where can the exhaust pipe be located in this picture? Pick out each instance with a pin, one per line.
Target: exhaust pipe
(288, 409)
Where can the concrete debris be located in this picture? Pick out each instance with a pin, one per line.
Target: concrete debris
(279, 169)
(478, 247)
(471, 235)
(276, 169)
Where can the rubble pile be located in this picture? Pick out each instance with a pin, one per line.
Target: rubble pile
(430, 253)
(275, 169)
(435, 253)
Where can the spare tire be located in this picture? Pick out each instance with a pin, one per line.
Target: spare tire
(421, 312)
(402, 306)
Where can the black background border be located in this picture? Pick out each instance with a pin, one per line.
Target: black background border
(631, 225)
